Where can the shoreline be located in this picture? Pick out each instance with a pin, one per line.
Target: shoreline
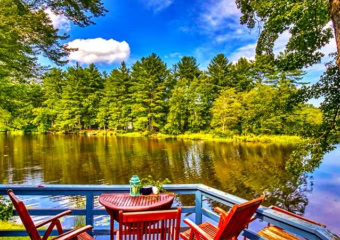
(287, 139)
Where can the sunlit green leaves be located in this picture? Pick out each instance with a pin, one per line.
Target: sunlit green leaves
(306, 21)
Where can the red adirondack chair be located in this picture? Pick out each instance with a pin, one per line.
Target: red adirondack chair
(230, 225)
(32, 229)
(163, 225)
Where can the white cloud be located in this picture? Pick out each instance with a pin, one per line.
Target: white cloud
(157, 5)
(59, 21)
(176, 55)
(247, 51)
(240, 33)
(220, 19)
(281, 42)
(99, 50)
(217, 12)
(314, 72)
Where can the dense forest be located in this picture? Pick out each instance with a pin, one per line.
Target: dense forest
(246, 97)
(260, 96)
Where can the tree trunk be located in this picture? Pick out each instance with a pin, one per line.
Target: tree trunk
(335, 16)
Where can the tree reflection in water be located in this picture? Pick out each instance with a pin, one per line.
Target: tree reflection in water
(246, 170)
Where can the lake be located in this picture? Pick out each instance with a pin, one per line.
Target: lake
(246, 170)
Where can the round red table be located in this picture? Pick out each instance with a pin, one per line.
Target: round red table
(114, 203)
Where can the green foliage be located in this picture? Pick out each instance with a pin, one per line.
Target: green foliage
(150, 77)
(324, 138)
(27, 32)
(52, 86)
(151, 99)
(80, 12)
(6, 209)
(227, 110)
(241, 75)
(17, 101)
(305, 20)
(80, 98)
(328, 87)
(219, 71)
(79, 221)
(264, 70)
(185, 98)
(5, 118)
(200, 95)
(307, 23)
(115, 106)
(177, 120)
(149, 181)
(260, 116)
(186, 71)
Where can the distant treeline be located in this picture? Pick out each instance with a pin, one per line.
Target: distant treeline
(246, 97)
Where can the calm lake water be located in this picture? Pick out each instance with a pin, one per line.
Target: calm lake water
(246, 170)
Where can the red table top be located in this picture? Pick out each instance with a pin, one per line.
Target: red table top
(125, 202)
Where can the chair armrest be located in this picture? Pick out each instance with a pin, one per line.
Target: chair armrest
(294, 215)
(221, 211)
(197, 229)
(73, 233)
(44, 222)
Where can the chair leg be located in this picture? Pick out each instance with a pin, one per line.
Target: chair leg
(59, 227)
(49, 230)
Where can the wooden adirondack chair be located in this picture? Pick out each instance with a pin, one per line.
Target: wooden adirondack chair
(32, 229)
(230, 225)
(155, 225)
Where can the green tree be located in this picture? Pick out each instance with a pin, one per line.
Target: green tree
(19, 99)
(227, 110)
(115, 106)
(149, 78)
(259, 116)
(69, 107)
(266, 71)
(186, 70)
(5, 118)
(327, 135)
(52, 86)
(241, 75)
(328, 87)
(177, 120)
(218, 70)
(92, 87)
(305, 20)
(303, 121)
(27, 32)
(80, 98)
(200, 95)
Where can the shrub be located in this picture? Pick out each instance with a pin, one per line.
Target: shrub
(6, 209)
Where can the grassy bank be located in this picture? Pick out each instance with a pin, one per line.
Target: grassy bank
(189, 136)
(203, 136)
(4, 225)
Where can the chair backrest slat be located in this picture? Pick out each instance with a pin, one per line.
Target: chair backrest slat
(24, 216)
(237, 219)
(152, 225)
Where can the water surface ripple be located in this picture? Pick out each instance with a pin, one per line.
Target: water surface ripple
(246, 170)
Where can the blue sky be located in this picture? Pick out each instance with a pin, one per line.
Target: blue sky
(170, 28)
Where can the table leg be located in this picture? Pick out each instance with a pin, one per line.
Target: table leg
(112, 221)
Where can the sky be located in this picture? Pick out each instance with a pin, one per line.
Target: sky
(132, 29)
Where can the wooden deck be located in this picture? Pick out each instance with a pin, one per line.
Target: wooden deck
(276, 233)
(299, 227)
